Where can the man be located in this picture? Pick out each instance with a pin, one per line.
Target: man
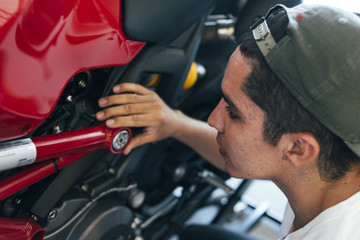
(289, 113)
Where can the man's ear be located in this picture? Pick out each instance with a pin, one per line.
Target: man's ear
(301, 148)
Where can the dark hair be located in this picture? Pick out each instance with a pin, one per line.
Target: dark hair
(283, 112)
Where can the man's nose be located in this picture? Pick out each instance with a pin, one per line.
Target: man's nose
(215, 120)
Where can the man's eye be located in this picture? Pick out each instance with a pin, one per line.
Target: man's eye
(232, 115)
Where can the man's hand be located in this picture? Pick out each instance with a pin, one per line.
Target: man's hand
(133, 105)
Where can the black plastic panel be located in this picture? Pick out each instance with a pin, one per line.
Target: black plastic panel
(156, 20)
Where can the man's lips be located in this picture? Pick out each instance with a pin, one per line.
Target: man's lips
(221, 150)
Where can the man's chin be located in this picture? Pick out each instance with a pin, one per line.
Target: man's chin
(229, 168)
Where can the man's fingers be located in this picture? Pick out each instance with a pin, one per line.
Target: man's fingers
(137, 120)
(128, 109)
(131, 87)
(124, 99)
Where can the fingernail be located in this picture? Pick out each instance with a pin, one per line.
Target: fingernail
(100, 114)
(116, 88)
(110, 122)
(102, 101)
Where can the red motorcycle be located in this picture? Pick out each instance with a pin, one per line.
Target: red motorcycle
(62, 173)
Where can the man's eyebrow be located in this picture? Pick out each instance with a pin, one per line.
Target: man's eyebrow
(229, 101)
(233, 107)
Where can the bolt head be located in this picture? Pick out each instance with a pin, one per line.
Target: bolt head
(52, 215)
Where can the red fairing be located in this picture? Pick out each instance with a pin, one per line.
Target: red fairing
(43, 44)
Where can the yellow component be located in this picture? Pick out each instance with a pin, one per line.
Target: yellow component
(154, 81)
(191, 77)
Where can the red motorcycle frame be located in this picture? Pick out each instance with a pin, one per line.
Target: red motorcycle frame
(36, 40)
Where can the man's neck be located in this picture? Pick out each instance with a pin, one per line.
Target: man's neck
(308, 198)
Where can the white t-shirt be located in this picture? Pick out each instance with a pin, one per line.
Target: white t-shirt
(338, 222)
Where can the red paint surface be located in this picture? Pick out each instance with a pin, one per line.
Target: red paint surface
(33, 174)
(52, 146)
(21, 228)
(66, 147)
(43, 44)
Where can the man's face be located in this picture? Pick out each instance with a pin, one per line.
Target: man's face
(239, 123)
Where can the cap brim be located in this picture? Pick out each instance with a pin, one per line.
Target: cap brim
(355, 147)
